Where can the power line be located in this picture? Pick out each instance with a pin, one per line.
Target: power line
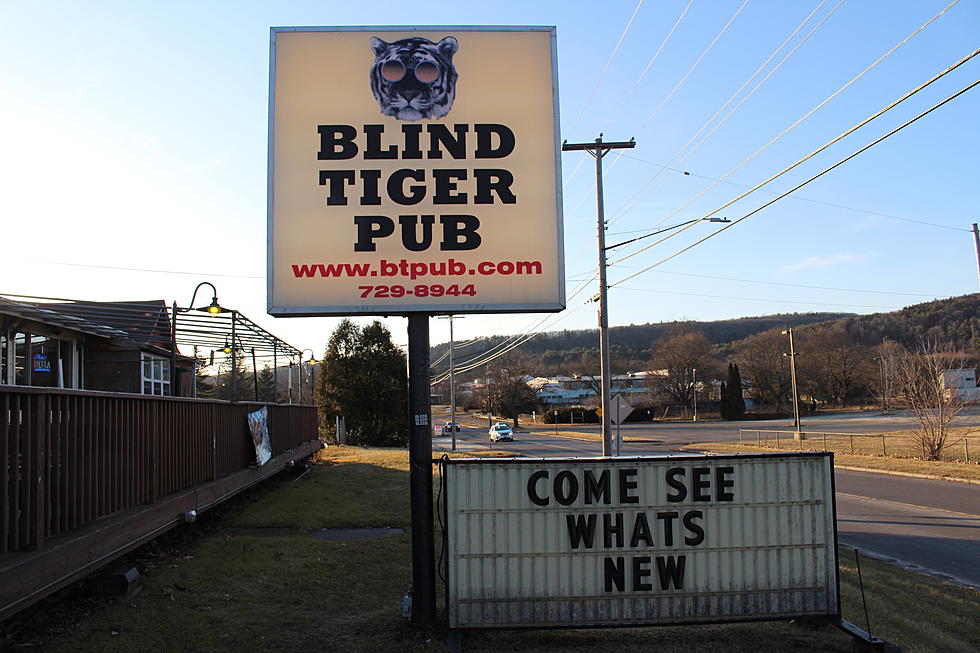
(646, 189)
(758, 299)
(649, 65)
(798, 186)
(515, 341)
(687, 173)
(677, 86)
(808, 113)
(696, 63)
(125, 269)
(764, 79)
(792, 285)
(605, 68)
(839, 137)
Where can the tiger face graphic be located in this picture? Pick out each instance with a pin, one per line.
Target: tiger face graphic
(414, 79)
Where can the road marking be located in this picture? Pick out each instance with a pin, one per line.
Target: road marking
(908, 505)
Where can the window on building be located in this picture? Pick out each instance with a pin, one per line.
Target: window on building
(156, 375)
(4, 365)
(21, 345)
(44, 362)
(36, 360)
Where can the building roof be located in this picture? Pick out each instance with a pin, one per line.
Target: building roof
(56, 318)
(148, 323)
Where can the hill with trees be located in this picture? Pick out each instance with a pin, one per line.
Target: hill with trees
(565, 351)
(837, 338)
(955, 321)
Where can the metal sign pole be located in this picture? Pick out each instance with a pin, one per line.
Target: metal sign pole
(420, 472)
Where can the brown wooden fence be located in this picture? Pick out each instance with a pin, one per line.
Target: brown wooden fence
(68, 458)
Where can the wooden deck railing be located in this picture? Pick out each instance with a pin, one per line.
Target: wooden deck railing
(68, 458)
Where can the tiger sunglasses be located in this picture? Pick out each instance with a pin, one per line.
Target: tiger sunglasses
(395, 71)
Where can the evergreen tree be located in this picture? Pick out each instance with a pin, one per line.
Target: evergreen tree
(234, 379)
(363, 377)
(267, 385)
(736, 404)
(203, 383)
(724, 406)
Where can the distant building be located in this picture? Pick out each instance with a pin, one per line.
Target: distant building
(583, 389)
(963, 382)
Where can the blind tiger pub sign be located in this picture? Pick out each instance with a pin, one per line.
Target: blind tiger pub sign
(413, 170)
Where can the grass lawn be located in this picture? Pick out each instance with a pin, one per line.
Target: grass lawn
(219, 590)
(952, 470)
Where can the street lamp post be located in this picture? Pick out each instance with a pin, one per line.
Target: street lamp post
(694, 391)
(310, 363)
(214, 308)
(884, 384)
(452, 376)
(796, 396)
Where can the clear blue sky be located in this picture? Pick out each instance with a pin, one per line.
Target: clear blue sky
(134, 136)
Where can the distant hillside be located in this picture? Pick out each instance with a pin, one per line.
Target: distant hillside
(955, 320)
(631, 345)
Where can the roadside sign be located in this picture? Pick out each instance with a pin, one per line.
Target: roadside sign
(619, 409)
(654, 540)
(414, 169)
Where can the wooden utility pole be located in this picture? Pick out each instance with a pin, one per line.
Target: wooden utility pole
(599, 149)
(796, 395)
(976, 243)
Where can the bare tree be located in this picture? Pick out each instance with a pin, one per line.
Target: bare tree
(681, 355)
(886, 356)
(506, 391)
(833, 365)
(922, 384)
(765, 370)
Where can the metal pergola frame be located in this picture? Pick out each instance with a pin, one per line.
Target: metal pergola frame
(168, 328)
(194, 328)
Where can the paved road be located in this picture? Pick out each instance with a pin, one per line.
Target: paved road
(922, 524)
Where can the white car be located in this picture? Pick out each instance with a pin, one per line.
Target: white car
(501, 431)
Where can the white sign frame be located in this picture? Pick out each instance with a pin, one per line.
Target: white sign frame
(512, 564)
(557, 300)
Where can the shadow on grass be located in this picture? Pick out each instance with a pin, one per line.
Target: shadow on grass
(292, 592)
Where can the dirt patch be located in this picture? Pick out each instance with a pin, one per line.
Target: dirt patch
(354, 534)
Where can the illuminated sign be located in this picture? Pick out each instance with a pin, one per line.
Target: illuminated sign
(414, 170)
(41, 362)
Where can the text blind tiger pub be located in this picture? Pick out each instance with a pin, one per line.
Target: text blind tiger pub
(414, 170)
